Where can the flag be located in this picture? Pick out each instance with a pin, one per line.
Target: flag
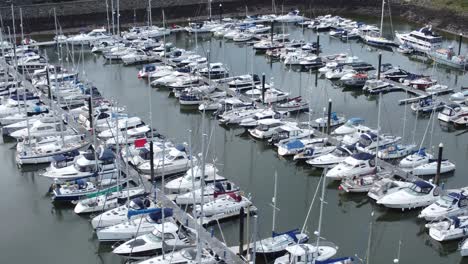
(139, 143)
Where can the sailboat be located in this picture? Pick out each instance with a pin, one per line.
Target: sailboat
(147, 245)
(278, 242)
(376, 38)
(313, 253)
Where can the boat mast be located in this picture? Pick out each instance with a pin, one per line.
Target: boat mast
(369, 239)
(381, 17)
(273, 6)
(164, 32)
(55, 24)
(118, 18)
(150, 19)
(378, 131)
(58, 102)
(322, 201)
(202, 182)
(113, 17)
(21, 25)
(107, 16)
(273, 225)
(209, 10)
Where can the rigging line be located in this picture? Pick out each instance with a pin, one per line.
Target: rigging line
(313, 200)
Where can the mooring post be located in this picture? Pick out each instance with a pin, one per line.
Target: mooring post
(316, 79)
(460, 40)
(263, 88)
(439, 163)
(220, 12)
(329, 116)
(272, 30)
(152, 161)
(241, 231)
(380, 66)
(49, 93)
(90, 113)
(318, 44)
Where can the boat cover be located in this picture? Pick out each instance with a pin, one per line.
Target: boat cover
(337, 261)
(295, 144)
(363, 156)
(157, 215)
(107, 154)
(423, 184)
(291, 233)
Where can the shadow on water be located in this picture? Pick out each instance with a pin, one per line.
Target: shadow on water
(395, 215)
(443, 248)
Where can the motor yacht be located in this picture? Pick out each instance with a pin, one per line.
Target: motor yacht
(420, 194)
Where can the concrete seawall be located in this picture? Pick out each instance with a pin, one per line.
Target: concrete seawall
(84, 13)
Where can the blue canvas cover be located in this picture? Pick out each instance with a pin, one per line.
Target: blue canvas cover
(295, 144)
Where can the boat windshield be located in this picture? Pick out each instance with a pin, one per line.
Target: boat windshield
(415, 189)
(447, 111)
(349, 123)
(347, 165)
(340, 153)
(172, 157)
(263, 127)
(364, 141)
(189, 254)
(445, 201)
(155, 237)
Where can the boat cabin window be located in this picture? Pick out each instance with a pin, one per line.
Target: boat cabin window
(85, 168)
(107, 161)
(102, 116)
(340, 153)
(144, 154)
(365, 141)
(422, 191)
(347, 165)
(463, 202)
(155, 238)
(168, 236)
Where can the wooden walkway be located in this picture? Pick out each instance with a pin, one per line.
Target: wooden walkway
(413, 91)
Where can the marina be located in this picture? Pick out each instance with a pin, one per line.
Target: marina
(170, 110)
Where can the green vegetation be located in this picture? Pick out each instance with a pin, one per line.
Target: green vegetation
(460, 6)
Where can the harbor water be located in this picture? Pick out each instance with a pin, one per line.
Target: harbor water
(35, 230)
